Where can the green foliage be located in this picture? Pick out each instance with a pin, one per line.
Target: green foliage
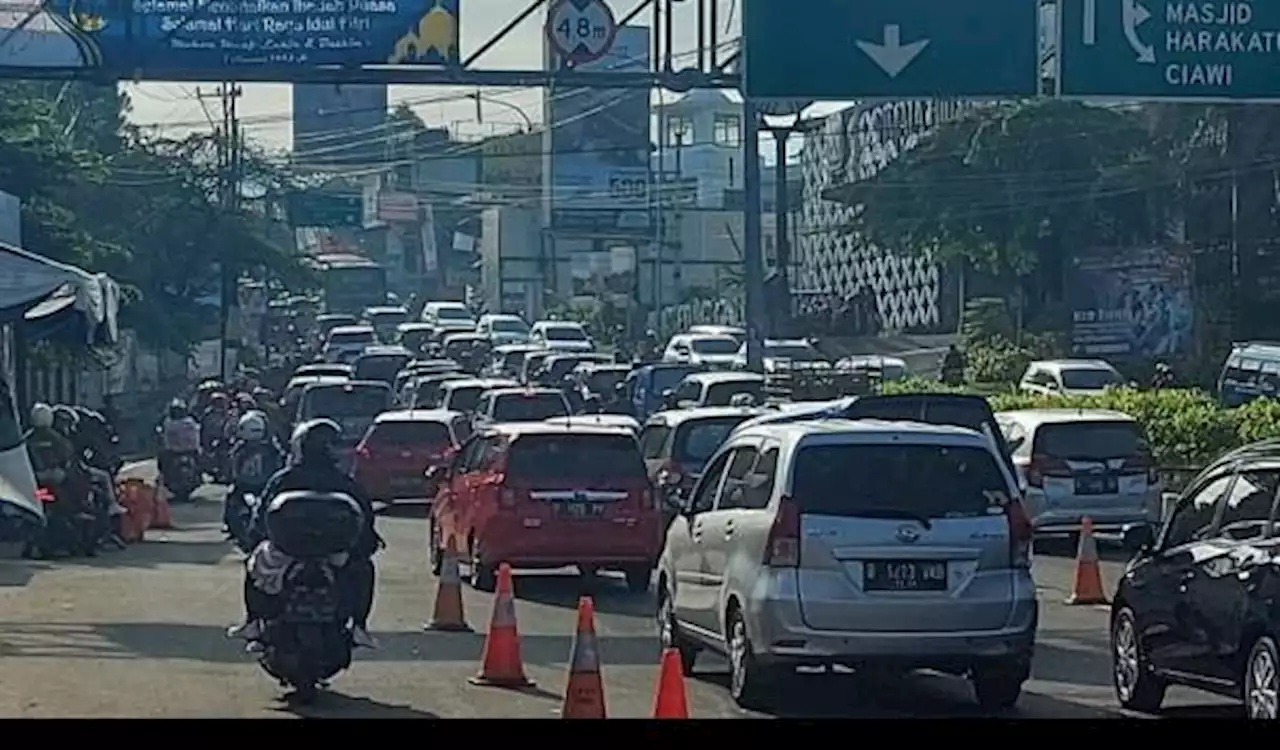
(1185, 428)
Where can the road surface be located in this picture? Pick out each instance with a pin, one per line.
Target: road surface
(140, 633)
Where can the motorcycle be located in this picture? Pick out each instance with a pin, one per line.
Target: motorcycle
(217, 460)
(183, 477)
(68, 531)
(241, 507)
(308, 640)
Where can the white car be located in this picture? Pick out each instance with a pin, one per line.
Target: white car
(714, 352)
(561, 336)
(448, 316)
(1070, 377)
(788, 354)
(503, 329)
(733, 332)
(345, 343)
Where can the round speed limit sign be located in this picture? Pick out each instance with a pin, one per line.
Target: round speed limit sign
(581, 31)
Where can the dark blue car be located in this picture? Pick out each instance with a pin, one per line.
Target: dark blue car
(643, 388)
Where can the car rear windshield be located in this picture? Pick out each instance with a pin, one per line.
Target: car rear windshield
(565, 333)
(1088, 379)
(410, 434)
(380, 367)
(561, 366)
(715, 346)
(721, 394)
(453, 313)
(697, 439)
(465, 399)
(669, 377)
(897, 481)
(508, 325)
(534, 407)
(575, 457)
(605, 381)
(1089, 440)
(415, 339)
(351, 337)
(336, 403)
(388, 318)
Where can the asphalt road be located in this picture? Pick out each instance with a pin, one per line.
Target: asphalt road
(140, 633)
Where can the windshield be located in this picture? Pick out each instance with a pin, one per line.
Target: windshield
(380, 367)
(561, 366)
(428, 391)
(508, 325)
(1089, 440)
(565, 333)
(410, 435)
(698, 439)
(559, 458)
(533, 407)
(388, 318)
(897, 481)
(354, 409)
(665, 378)
(721, 394)
(353, 288)
(1088, 379)
(715, 346)
(794, 352)
(605, 381)
(414, 339)
(464, 398)
(342, 338)
(453, 313)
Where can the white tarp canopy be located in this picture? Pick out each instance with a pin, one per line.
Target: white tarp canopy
(33, 287)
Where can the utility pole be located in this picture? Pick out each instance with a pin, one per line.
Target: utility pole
(753, 265)
(230, 164)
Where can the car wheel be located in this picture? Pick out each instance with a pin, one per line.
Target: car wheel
(669, 632)
(435, 554)
(750, 683)
(483, 576)
(638, 578)
(1262, 681)
(1137, 687)
(998, 686)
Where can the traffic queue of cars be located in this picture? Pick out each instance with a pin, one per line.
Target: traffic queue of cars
(883, 533)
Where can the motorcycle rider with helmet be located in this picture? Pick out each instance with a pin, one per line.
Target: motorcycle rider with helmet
(50, 452)
(313, 466)
(179, 436)
(255, 458)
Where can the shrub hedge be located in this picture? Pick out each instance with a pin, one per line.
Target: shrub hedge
(1186, 428)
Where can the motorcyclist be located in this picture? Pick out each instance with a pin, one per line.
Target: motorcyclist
(82, 432)
(50, 451)
(313, 466)
(254, 460)
(953, 366)
(179, 436)
(1163, 376)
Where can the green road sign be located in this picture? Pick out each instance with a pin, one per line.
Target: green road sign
(1170, 50)
(316, 208)
(902, 49)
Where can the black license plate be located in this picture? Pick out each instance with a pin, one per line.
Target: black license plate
(904, 575)
(580, 510)
(1097, 485)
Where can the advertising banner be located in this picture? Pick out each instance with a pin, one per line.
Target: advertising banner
(337, 125)
(599, 144)
(146, 38)
(1130, 303)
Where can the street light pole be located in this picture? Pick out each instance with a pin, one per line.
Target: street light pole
(753, 267)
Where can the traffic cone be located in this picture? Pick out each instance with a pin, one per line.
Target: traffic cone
(670, 700)
(501, 665)
(448, 615)
(584, 695)
(1088, 588)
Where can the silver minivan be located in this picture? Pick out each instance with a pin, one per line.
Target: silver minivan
(867, 543)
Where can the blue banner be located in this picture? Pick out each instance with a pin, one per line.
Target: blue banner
(148, 37)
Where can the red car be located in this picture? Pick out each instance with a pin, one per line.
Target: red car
(392, 459)
(538, 495)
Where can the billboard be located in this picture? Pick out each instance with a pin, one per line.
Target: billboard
(598, 144)
(512, 163)
(1130, 303)
(146, 38)
(336, 125)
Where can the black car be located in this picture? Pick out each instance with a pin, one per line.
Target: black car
(1199, 605)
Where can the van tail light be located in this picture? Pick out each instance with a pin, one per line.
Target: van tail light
(1021, 534)
(363, 451)
(44, 495)
(1141, 464)
(1045, 466)
(670, 475)
(782, 549)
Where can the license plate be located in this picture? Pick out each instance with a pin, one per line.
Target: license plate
(580, 510)
(1097, 485)
(904, 575)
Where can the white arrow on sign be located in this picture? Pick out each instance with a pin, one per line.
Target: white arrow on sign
(1134, 15)
(893, 56)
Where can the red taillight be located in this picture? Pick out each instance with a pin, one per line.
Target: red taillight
(364, 452)
(782, 550)
(670, 474)
(1045, 466)
(1021, 533)
(44, 495)
(1141, 464)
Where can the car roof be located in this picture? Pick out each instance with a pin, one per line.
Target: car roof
(520, 390)
(1073, 364)
(384, 350)
(441, 416)
(386, 310)
(318, 367)
(698, 329)
(501, 316)
(712, 378)
(675, 417)
(516, 348)
(515, 430)
(602, 367)
(464, 335)
(415, 326)
(1036, 417)
(870, 428)
(480, 382)
(325, 317)
(607, 420)
(302, 380)
(352, 329)
(446, 303)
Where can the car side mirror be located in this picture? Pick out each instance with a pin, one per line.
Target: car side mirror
(1139, 539)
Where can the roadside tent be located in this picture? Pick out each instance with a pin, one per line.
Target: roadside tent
(41, 299)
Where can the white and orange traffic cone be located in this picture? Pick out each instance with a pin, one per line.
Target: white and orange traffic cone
(670, 700)
(584, 693)
(1088, 587)
(501, 665)
(448, 615)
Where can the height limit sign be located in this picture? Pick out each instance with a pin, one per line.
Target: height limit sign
(581, 31)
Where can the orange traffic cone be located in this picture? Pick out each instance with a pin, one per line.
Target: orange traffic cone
(584, 695)
(670, 701)
(501, 665)
(1088, 588)
(448, 615)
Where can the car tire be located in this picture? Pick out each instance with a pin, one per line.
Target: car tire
(638, 578)
(1137, 686)
(483, 576)
(1262, 680)
(752, 685)
(669, 632)
(998, 686)
(434, 553)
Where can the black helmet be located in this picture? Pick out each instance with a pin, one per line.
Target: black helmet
(313, 442)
